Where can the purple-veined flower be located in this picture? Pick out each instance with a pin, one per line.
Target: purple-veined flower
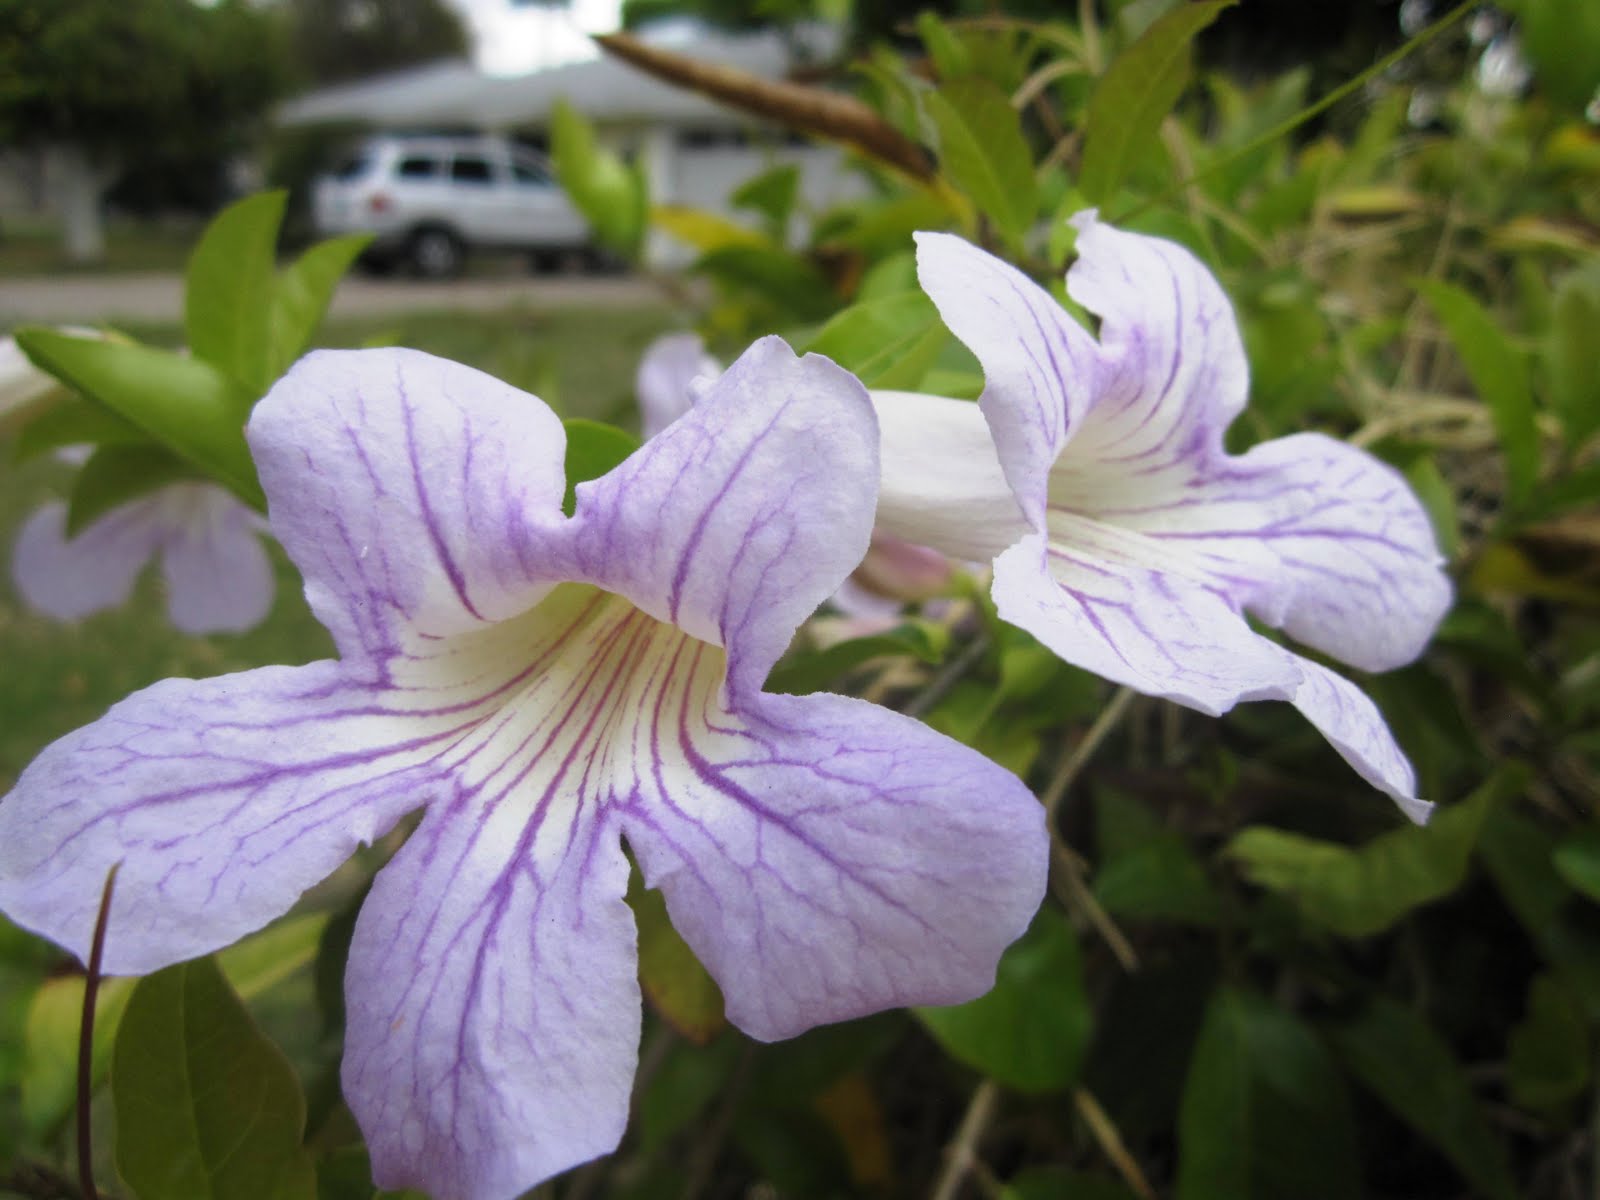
(218, 576)
(1124, 537)
(217, 573)
(541, 687)
(674, 372)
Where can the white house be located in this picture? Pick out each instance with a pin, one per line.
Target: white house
(694, 150)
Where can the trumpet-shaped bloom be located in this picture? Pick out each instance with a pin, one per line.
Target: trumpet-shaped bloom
(218, 576)
(1124, 536)
(541, 688)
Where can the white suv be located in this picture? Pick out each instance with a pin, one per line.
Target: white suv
(430, 199)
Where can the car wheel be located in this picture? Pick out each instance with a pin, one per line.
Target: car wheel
(437, 253)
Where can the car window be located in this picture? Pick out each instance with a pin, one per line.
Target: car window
(528, 175)
(471, 169)
(417, 167)
(352, 168)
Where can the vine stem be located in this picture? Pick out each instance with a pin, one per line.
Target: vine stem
(1073, 763)
(91, 989)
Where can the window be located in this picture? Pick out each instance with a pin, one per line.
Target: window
(471, 169)
(352, 168)
(528, 175)
(418, 168)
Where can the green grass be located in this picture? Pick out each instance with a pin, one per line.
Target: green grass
(130, 246)
(58, 677)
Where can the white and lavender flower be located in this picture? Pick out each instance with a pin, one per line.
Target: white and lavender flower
(541, 688)
(1124, 536)
(217, 573)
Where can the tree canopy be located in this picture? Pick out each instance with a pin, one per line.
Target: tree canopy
(336, 40)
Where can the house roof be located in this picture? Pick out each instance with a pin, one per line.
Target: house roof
(603, 89)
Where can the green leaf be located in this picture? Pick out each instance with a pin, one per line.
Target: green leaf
(779, 277)
(300, 298)
(265, 959)
(983, 153)
(593, 448)
(611, 195)
(1030, 1032)
(230, 277)
(49, 1078)
(813, 671)
(1135, 94)
(1396, 1054)
(1499, 374)
(1548, 1058)
(951, 60)
(772, 193)
(1148, 873)
(185, 404)
(1578, 861)
(885, 343)
(117, 474)
(1359, 892)
(1265, 1114)
(678, 986)
(206, 1106)
(1570, 360)
(75, 422)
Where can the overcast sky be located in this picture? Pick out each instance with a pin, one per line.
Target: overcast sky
(512, 38)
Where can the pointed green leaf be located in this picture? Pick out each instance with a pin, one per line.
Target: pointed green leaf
(1499, 375)
(983, 153)
(1265, 1114)
(1030, 1032)
(610, 194)
(1359, 892)
(1547, 1061)
(206, 1106)
(772, 193)
(593, 448)
(265, 959)
(679, 988)
(115, 475)
(300, 298)
(1571, 363)
(814, 670)
(75, 422)
(1578, 861)
(49, 1078)
(230, 277)
(1395, 1053)
(886, 343)
(186, 404)
(1134, 96)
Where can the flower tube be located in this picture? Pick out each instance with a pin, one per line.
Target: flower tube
(541, 688)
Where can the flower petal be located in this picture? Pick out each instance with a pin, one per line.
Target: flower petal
(1327, 542)
(69, 578)
(493, 1001)
(1040, 367)
(673, 373)
(1176, 373)
(223, 799)
(219, 578)
(1165, 634)
(1351, 722)
(746, 513)
(411, 492)
(1155, 632)
(827, 858)
(942, 484)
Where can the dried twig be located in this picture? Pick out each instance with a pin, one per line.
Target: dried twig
(962, 1153)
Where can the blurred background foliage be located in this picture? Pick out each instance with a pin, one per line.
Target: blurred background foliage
(1251, 980)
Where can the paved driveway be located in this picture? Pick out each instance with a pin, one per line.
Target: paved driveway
(159, 297)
